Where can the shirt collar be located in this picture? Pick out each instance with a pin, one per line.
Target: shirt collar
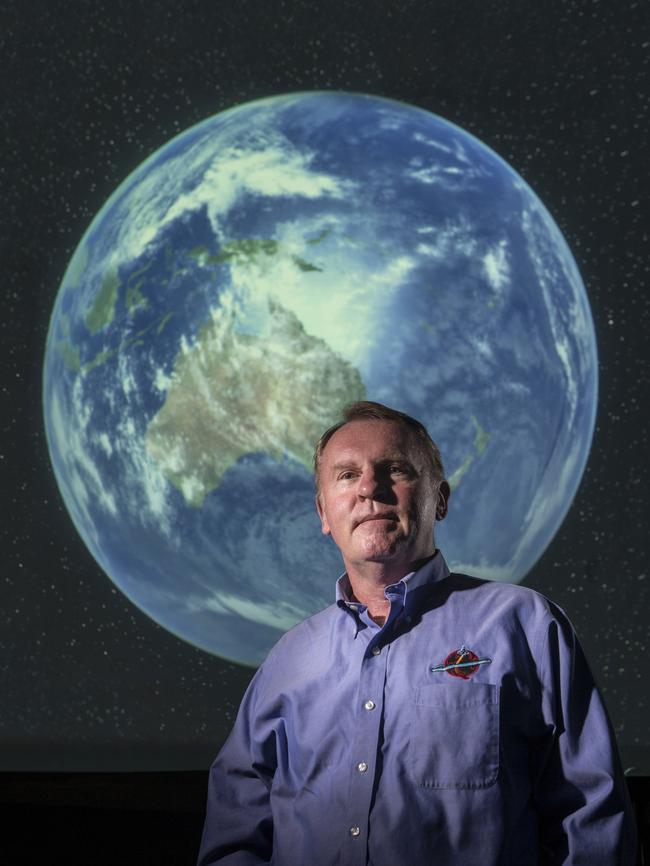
(433, 570)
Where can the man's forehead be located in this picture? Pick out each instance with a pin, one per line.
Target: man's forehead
(372, 438)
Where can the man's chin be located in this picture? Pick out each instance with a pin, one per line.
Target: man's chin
(382, 550)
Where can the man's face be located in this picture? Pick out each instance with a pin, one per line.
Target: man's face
(377, 499)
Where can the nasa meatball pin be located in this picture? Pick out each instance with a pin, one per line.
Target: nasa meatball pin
(461, 663)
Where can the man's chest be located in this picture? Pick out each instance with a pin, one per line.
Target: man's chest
(439, 699)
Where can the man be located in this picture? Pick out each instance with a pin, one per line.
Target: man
(425, 717)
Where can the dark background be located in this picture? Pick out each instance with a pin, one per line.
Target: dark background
(88, 91)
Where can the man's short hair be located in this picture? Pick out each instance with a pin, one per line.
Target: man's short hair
(366, 410)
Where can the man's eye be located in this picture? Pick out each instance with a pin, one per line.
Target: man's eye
(345, 476)
(398, 469)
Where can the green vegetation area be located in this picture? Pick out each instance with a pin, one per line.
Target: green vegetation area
(134, 297)
(320, 237)
(199, 253)
(481, 439)
(99, 358)
(303, 265)
(102, 311)
(245, 250)
(70, 356)
(248, 250)
(162, 323)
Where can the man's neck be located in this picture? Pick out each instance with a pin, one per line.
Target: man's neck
(369, 580)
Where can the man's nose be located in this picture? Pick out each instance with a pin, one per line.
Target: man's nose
(370, 484)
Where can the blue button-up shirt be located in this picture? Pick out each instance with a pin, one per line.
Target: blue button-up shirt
(362, 744)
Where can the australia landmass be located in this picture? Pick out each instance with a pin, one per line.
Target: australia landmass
(234, 393)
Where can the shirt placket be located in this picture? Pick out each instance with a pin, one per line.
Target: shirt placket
(363, 755)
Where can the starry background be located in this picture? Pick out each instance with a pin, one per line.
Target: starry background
(89, 90)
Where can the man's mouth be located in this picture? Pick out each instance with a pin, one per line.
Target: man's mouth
(385, 515)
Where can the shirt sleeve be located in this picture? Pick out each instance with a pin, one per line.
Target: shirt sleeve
(238, 828)
(580, 790)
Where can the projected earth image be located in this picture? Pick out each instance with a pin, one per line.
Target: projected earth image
(255, 274)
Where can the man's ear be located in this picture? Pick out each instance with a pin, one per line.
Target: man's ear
(325, 527)
(444, 492)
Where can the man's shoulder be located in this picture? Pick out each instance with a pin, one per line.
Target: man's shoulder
(509, 597)
(308, 630)
(299, 654)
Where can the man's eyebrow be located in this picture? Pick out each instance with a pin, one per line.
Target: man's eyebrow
(353, 462)
(344, 464)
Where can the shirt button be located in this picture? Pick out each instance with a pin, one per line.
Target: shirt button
(354, 831)
(376, 650)
(369, 705)
(362, 766)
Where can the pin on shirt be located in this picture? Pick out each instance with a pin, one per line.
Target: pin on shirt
(461, 663)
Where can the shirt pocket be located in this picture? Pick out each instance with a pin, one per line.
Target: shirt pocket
(454, 737)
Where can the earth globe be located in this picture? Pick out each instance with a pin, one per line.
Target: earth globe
(258, 272)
